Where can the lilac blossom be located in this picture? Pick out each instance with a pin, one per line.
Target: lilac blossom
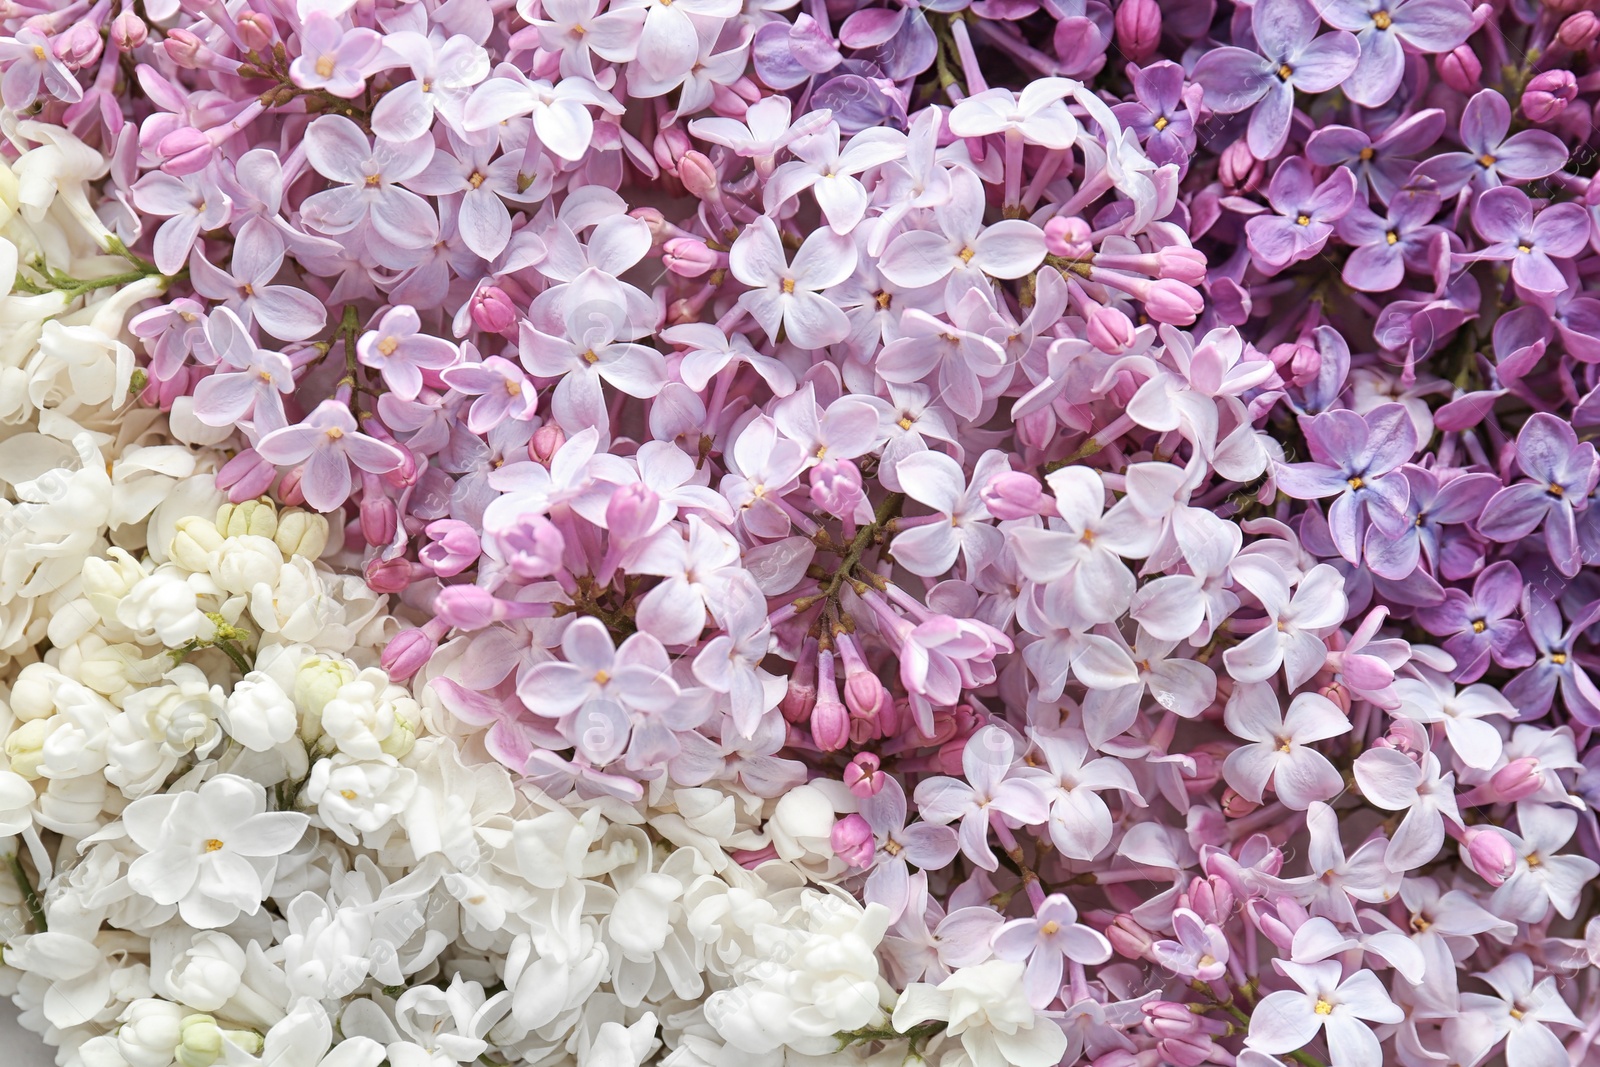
(1355, 458)
(1306, 213)
(328, 443)
(1561, 475)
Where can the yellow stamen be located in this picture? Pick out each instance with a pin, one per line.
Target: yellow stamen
(787, 285)
(1284, 71)
(348, 794)
(1356, 482)
(1381, 19)
(388, 345)
(1160, 123)
(1478, 626)
(602, 677)
(374, 179)
(325, 67)
(213, 845)
(1486, 160)
(334, 433)
(966, 255)
(1391, 237)
(1323, 1007)
(1303, 220)
(1050, 927)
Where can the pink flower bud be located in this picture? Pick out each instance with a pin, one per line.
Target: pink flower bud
(688, 258)
(1189, 1051)
(1548, 95)
(407, 653)
(863, 693)
(454, 547)
(1187, 265)
(699, 176)
(1109, 330)
(798, 700)
(632, 513)
(1490, 855)
(1036, 429)
(852, 840)
(128, 31)
(830, 725)
(1015, 495)
(1299, 363)
(670, 146)
(289, 491)
(892, 715)
(545, 443)
(492, 310)
(1138, 26)
(246, 476)
(1339, 694)
(379, 519)
(1517, 780)
(256, 31)
(466, 607)
(1580, 31)
(533, 547)
(388, 575)
(1171, 301)
(1068, 237)
(863, 776)
(1460, 70)
(184, 48)
(1238, 170)
(1235, 806)
(1128, 939)
(1211, 899)
(79, 45)
(836, 486)
(1168, 1018)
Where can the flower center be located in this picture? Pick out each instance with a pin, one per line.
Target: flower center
(1558, 658)
(374, 179)
(348, 794)
(1160, 123)
(1050, 927)
(1284, 71)
(38, 52)
(1478, 626)
(1285, 744)
(388, 345)
(892, 847)
(1486, 160)
(1517, 1013)
(1368, 153)
(1381, 19)
(513, 388)
(602, 677)
(905, 422)
(787, 285)
(476, 179)
(325, 67)
(1533, 860)
(334, 433)
(1303, 220)
(1524, 249)
(1323, 1006)
(1356, 482)
(213, 845)
(966, 255)
(1419, 924)
(883, 299)
(1391, 237)
(1555, 490)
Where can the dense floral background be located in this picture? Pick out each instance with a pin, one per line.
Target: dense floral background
(765, 533)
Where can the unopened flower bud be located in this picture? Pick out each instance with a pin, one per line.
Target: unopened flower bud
(1171, 301)
(257, 518)
(1517, 780)
(1235, 806)
(289, 491)
(408, 652)
(545, 443)
(1068, 237)
(1187, 265)
(492, 310)
(1339, 694)
(25, 746)
(1191, 1051)
(195, 544)
(1014, 495)
(1460, 69)
(532, 546)
(836, 486)
(1299, 363)
(862, 693)
(863, 776)
(199, 1042)
(699, 176)
(687, 257)
(388, 575)
(632, 513)
(1109, 330)
(798, 699)
(256, 31)
(1129, 939)
(301, 533)
(1548, 95)
(830, 725)
(466, 607)
(246, 476)
(1138, 28)
(1579, 31)
(379, 519)
(1490, 855)
(79, 45)
(1238, 170)
(184, 48)
(950, 755)
(128, 31)
(852, 840)
(670, 146)
(151, 1029)
(454, 546)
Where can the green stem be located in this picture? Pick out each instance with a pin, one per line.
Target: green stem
(29, 896)
(236, 654)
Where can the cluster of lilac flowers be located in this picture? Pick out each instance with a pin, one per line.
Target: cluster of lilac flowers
(1128, 466)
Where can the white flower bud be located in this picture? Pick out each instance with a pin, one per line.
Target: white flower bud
(259, 714)
(166, 605)
(107, 581)
(302, 533)
(195, 542)
(33, 694)
(199, 1042)
(245, 561)
(801, 823)
(208, 973)
(25, 746)
(318, 681)
(257, 518)
(150, 1031)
